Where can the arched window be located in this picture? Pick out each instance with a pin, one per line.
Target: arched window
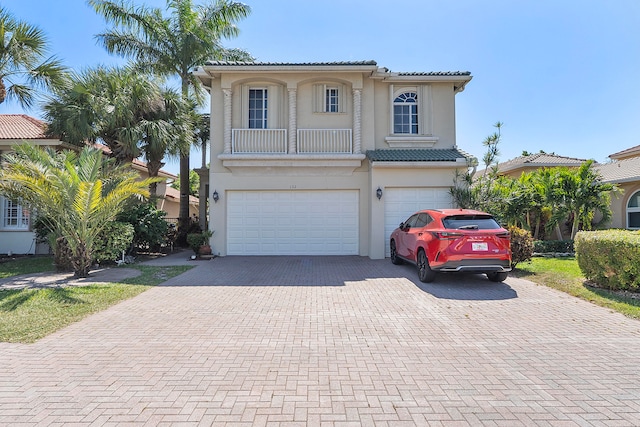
(633, 211)
(405, 113)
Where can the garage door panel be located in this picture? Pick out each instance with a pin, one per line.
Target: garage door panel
(293, 222)
(400, 203)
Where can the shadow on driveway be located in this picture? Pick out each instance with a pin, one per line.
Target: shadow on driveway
(334, 271)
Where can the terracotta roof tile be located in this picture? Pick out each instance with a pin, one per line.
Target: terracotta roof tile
(21, 126)
(539, 160)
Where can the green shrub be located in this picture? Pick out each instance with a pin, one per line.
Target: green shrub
(521, 245)
(195, 240)
(115, 238)
(548, 246)
(149, 226)
(609, 258)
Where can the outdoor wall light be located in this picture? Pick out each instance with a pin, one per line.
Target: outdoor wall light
(379, 193)
(215, 195)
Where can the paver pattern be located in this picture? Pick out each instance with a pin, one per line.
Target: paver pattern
(330, 341)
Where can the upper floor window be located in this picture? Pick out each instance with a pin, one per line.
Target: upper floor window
(405, 113)
(331, 100)
(257, 108)
(328, 98)
(14, 216)
(633, 211)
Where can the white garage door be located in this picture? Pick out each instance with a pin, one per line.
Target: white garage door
(400, 203)
(292, 222)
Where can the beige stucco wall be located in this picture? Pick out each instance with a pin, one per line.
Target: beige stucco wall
(376, 111)
(619, 204)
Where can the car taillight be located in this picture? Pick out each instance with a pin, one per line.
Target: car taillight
(446, 235)
(506, 235)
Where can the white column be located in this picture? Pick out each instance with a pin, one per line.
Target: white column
(357, 121)
(227, 120)
(293, 124)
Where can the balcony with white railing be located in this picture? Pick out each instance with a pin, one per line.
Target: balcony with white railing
(324, 141)
(311, 151)
(259, 141)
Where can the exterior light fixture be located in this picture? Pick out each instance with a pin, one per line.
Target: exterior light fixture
(379, 193)
(215, 195)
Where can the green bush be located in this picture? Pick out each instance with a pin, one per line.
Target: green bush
(548, 246)
(609, 258)
(149, 226)
(195, 240)
(521, 245)
(115, 238)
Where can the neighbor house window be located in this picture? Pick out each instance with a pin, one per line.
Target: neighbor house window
(257, 108)
(633, 211)
(14, 216)
(405, 113)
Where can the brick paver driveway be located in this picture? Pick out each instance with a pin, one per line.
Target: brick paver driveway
(330, 341)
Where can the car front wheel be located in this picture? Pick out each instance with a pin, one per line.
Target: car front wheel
(499, 276)
(425, 273)
(394, 253)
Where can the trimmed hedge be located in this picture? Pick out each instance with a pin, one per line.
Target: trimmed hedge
(610, 258)
(549, 246)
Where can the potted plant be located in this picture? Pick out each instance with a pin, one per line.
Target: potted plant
(199, 242)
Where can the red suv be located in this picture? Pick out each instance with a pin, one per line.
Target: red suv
(449, 240)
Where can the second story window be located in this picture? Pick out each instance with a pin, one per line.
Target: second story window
(405, 113)
(331, 100)
(257, 108)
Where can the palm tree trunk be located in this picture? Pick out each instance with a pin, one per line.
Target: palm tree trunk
(183, 213)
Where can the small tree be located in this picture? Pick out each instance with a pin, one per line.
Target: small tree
(76, 193)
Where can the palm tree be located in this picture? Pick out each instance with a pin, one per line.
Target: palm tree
(23, 66)
(76, 194)
(174, 46)
(582, 195)
(124, 109)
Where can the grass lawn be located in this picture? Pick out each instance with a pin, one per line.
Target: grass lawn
(564, 275)
(26, 265)
(30, 314)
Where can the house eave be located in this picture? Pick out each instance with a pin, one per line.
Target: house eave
(460, 163)
(292, 164)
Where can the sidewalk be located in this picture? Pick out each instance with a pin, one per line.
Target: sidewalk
(102, 275)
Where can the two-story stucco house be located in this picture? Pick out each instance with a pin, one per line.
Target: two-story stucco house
(326, 158)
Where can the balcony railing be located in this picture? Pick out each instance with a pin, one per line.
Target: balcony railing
(324, 141)
(309, 141)
(252, 141)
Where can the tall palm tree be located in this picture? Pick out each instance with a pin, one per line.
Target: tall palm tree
(23, 65)
(124, 109)
(76, 194)
(174, 45)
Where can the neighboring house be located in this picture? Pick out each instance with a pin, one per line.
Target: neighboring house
(16, 234)
(517, 166)
(326, 158)
(624, 170)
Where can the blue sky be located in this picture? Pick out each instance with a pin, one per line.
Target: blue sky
(560, 74)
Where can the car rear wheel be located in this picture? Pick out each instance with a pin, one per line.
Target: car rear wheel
(499, 276)
(394, 253)
(425, 273)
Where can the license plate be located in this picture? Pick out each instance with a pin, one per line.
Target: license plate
(479, 247)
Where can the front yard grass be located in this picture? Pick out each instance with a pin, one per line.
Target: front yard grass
(29, 314)
(564, 275)
(26, 265)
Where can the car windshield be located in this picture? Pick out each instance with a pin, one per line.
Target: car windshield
(470, 222)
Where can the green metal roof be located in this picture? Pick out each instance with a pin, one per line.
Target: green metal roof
(416, 155)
